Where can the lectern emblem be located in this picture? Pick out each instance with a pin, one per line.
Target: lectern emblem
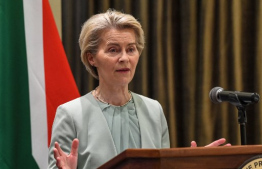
(252, 163)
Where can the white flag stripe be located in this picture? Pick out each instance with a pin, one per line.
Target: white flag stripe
(33, 15)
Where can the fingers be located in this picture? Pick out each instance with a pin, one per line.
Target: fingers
(74, 147)
(60, 151)
(218, 143)
(228, 144)
(57, 154)
(59, 163)
(56, 151)
(66, 160)
(193, 144)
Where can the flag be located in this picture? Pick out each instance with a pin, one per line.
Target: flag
(35, 78)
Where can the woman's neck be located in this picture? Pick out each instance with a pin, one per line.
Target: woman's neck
(114, 96)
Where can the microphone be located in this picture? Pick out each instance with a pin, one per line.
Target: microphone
(217, 95)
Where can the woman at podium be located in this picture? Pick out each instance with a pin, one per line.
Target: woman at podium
(92, 129)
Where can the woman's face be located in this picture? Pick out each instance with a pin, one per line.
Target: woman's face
(117, 57)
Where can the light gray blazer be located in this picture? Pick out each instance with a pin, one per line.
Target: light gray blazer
(82, 118)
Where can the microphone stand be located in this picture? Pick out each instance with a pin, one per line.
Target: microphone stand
(242, 117)
(242, 120)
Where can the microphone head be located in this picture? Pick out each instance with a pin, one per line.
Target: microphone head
(213, 94)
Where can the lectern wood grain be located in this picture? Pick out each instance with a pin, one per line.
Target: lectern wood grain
(186, 158)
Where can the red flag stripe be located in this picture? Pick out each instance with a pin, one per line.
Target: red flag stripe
(59, 81)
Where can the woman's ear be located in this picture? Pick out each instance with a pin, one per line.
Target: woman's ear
(90, 59)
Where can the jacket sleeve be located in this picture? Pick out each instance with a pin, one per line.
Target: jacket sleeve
(63, 132)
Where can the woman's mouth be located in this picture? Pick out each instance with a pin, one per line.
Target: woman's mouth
(124, 70)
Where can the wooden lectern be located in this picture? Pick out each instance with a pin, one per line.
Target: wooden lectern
(184, 158)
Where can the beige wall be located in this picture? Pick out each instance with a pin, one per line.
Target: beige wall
(57, 12)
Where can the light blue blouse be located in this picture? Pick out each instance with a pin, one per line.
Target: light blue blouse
(123, 124)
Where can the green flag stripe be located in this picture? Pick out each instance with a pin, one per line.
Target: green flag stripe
(15, 136)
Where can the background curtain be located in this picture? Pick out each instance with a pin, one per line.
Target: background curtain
(191, 47)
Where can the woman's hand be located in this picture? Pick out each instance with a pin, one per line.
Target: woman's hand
(213, 144)
(66, 161)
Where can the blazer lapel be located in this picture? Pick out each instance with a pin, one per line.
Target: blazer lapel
(143, 114)
(100, 122)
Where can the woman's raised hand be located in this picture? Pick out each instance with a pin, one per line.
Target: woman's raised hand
(66, 161)
(213, 144)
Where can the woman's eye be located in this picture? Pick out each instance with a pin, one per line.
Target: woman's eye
(131, 50)
(112, 50)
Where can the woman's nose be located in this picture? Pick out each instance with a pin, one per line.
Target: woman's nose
(124, 57)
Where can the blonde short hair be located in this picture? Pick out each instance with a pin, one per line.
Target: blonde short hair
(92, 29)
